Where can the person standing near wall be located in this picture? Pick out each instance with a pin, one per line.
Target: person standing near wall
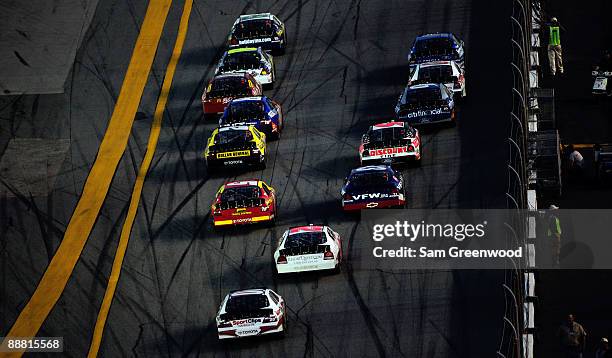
(555, 55)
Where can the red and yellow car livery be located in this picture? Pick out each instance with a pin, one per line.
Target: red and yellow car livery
(224, 88)
(244, 202)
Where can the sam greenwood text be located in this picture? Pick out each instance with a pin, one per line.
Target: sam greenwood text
(452, 252)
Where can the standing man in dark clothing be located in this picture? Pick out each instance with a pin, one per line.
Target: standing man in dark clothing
(572, 338)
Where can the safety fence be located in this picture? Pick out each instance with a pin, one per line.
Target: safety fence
(517, 335)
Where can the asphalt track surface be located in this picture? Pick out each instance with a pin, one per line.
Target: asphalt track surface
(343, 70)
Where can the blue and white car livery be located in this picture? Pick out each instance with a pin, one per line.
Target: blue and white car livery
(437, 47)
(426, 103)
(260, 111)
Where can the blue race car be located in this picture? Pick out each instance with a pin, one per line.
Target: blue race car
(426, 103)
(373, 186)
(437, 47)
(262, 112)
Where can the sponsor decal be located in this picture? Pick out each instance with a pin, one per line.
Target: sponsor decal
(241, 213)
(255, 41)
(373, 196)
(372, 205)
(305, 259)
(427, 112)
(242, 322)
(226, 99)
(242, 220)
(247, 332)
(232, 162)
(388, 151)
(239, 153)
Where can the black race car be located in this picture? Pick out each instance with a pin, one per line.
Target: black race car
(259, 30)
(426, 103)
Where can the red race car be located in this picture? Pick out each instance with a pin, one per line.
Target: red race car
(244, 202)
(223, 88)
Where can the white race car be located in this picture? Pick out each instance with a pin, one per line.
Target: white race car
(308, 248)
(447, 72)
(254, 61)
(251, 312)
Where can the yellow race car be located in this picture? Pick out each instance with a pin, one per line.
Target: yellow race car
(237, 145)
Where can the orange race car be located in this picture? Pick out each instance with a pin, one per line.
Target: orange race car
(244, 202)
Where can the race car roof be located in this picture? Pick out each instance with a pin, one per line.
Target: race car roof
(246, 99)
(249, 291)
(435, 63)
(242, 49)
(425, 85)
(307, 228)
(434, 35)
(371, 168)
(260, 16)
(388, 125)
(238, 127)
(242, 183)
(230, 75)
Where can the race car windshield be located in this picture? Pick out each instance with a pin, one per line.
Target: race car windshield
(428, 94)
(246, 303)
(241, 61)
(233, 137)
(388, 134)
(244, 111)
(305, 239)
(436, 74)
(367, 180)
(240, 194)
(229, 87)
(254, 29)
(434, 46)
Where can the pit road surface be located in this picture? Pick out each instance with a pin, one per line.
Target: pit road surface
(344, 69)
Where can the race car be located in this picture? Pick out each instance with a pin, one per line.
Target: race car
(236, 145)
(224, 88)
(244, 202)
(308, 248)
(373, 186)
(254, 61)
(426, 103)
(437, 47)
(264, 30)
(261, 112)
(251, 312)
(390, 142)
(447, 72)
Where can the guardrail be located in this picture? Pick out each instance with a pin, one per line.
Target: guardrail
(518, 311)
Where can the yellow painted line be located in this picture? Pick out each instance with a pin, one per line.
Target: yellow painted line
(126, 230)
(96, 187)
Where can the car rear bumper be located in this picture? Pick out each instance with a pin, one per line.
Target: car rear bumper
(413, 156)
(379, 204)
(318, 266)
(226, 221)
(230, 333)
(253, 159)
